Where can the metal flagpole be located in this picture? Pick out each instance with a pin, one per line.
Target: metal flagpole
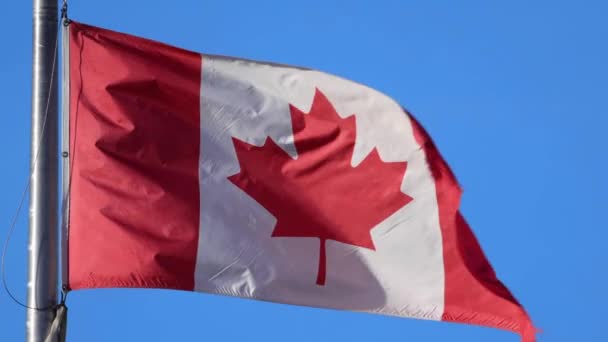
(42, 264)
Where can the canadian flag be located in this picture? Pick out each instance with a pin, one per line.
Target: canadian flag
(263, 181)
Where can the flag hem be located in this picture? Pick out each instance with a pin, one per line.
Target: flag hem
(65, 151)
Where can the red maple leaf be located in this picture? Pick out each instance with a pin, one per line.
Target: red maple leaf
(319, 194)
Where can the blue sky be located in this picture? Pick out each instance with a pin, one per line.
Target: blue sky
(514, 94)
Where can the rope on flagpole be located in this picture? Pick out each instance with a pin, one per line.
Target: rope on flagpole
(65, 20)
(28, 185)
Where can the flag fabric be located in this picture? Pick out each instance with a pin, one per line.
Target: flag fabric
(263, 181)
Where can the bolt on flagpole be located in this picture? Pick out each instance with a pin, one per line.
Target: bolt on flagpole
(42, 263)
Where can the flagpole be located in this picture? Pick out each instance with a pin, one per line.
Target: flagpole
(42, 264)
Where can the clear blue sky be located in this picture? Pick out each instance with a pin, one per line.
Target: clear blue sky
(513, 94)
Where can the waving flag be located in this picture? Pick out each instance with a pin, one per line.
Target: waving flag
(263, 181)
